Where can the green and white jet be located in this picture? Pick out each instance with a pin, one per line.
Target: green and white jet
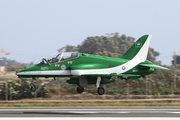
(84, 69)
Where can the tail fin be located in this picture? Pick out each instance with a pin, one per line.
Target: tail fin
(139, 50)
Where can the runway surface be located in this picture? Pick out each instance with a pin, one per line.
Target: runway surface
(81, 112)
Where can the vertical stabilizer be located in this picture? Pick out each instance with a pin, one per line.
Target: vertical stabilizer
(139, 50)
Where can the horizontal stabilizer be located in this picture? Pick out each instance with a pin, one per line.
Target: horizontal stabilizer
(154, 66)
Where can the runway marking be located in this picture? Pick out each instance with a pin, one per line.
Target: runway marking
(123, 112)
(113, 112)
(91, 112)
(75, 111)
(175, 112)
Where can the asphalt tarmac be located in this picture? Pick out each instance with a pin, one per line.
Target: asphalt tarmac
(112, 112)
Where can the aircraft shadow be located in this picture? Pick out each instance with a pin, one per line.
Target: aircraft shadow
(60, 113)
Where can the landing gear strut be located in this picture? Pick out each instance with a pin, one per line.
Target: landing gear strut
(80, 89)
(33, 87)
(100, 90)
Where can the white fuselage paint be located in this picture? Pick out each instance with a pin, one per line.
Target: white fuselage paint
(49, 72)
(118, 70)
(140, 57)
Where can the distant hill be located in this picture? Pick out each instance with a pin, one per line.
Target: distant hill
(4, 61)
(13, 65)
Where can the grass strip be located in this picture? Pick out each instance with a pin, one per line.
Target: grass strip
(86, 104)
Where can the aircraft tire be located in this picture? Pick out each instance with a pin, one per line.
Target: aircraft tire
(80, 89)
(101, 90)
(33, 88)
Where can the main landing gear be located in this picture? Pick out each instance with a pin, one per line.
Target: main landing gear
(100, 90)
(33, 87)
(80, 89)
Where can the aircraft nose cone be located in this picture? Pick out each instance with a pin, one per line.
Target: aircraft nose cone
(25, 71)
(18, 72)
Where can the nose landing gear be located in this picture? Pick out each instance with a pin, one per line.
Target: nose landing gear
(33, 87)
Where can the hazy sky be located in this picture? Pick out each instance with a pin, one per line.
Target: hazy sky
(32, 29)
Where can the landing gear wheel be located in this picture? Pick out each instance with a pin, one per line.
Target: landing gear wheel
(80, 89)
(33, 88)
(101, 90)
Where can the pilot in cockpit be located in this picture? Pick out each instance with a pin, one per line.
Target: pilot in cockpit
(73, 55)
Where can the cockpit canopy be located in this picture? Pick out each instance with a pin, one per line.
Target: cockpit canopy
(58, 58)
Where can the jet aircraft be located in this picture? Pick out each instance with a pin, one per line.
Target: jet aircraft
(84, 69)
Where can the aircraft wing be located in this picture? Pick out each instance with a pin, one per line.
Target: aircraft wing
(105, 75)
(153, 66)
(121, 76)
(130, 75)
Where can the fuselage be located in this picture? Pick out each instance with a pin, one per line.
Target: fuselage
(84, 64)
